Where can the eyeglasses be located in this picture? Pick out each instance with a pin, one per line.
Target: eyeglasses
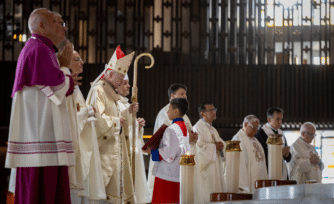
(62, 24)
(78, 59)
(254, 127)
(311, 134)
(211, 110)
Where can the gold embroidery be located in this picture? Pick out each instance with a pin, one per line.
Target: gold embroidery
(258, 154)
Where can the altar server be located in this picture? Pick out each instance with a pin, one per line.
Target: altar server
(175, 142)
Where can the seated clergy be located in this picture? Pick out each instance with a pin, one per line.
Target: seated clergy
(252, 158)
(305, 163)
(210, 153)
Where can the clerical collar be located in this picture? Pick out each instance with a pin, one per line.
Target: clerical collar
(274, 130)
(177, 119)
(44, 40)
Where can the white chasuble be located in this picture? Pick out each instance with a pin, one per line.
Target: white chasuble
(161, 119)
(252, 162)
(210, 162)
(39, 131)
(300, 167)
(114, 156)
(141, 188)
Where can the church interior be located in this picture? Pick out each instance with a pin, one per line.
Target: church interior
(243, 55)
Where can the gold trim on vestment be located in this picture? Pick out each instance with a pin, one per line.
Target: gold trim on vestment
(233, 146)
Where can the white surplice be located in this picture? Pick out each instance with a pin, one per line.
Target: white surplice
(39, 131)
(210, 162)
(300, 167)
(252, 162)
(141, 188)
(161, 119)
(172, 145)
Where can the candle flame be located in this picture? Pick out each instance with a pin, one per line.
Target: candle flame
(187, 153)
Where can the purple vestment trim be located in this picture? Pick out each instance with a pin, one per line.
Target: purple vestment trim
(45, 147)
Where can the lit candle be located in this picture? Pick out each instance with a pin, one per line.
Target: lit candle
(232, 166)
(187, 163)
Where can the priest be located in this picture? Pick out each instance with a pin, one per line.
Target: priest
(174, 91)
(40, 144)
(305, 163)
(275, 118)
(112, 144)
(88, 171)
(252, 158)
(141, 188)
(210, 152)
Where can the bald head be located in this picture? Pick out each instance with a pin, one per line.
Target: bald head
(37, 17)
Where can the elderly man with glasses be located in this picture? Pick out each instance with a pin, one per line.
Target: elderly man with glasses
(210, 151)
(252, 158)
(305, 163)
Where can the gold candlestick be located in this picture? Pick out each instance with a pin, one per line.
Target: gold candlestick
(187, 163)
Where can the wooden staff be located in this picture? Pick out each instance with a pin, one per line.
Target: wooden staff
(134, 98)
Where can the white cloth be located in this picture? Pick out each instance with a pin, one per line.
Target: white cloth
(39, 131)
(161, 119)
(268, 130)
(252, 162)
(141, 188)
(300, 167)
(94, 188)
(172, 145)
(210, 162)
(75, 172)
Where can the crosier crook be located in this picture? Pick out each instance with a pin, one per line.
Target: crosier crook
(134, 98)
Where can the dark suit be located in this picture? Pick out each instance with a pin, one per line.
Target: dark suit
(262, 137)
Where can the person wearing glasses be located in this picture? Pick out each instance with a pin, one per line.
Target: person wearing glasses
(41, 149)
(210, 152)
(275, 118)
(305, 163)
(252, 158)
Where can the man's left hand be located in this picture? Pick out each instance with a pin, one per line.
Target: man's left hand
(193, 136)
(286, 151)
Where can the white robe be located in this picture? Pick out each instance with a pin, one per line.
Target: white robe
(161, 119)
(210, 162)
(94, 188)
(75, 172)
(141, 188)
(300, 167)
(252, 162)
